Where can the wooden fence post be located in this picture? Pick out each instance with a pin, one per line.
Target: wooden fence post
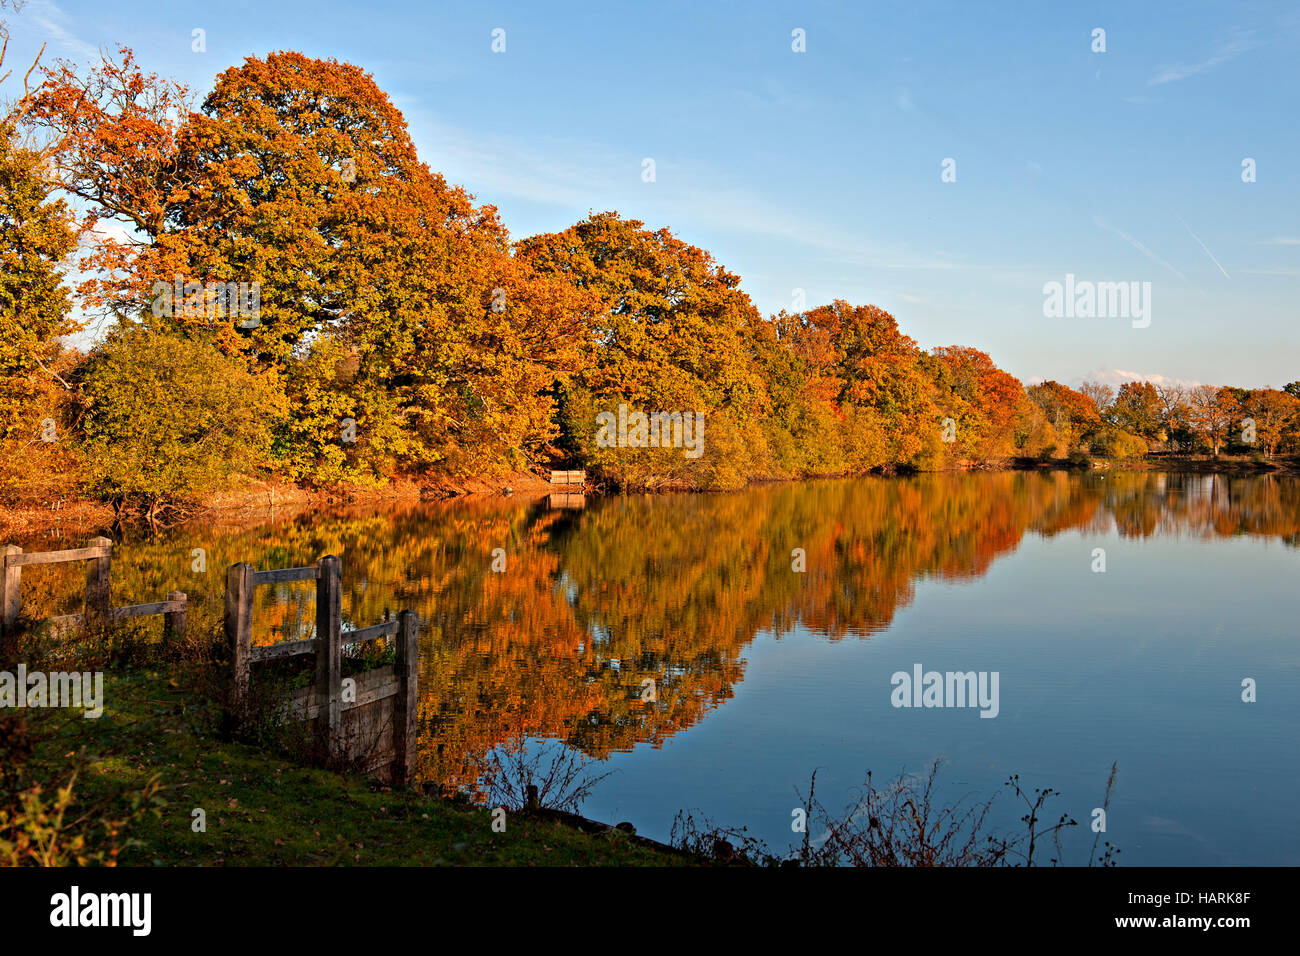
(405, 705)
(174, 621)
(98, 582)
(12, 600)
(329, 665)
(239, 631)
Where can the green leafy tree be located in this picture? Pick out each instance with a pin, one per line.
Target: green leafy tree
(169, 419)
(36, 233)
(1138, 410)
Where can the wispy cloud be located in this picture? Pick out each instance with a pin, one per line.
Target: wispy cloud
(44, 20)
(1098, 221)
(1285, 241)
(578, 176)
(1238, 45)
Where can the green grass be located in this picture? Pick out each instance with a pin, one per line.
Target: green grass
(264, 810)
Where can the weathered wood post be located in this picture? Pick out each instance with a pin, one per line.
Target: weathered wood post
(12, 600)
(329, 664)
(99, 581)
(239, 632)
(405, 704)
(174, 621)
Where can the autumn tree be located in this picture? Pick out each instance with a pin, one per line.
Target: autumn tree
(860, 356)
(671, 334)
(1214, 410)
(992, 394)
(308, 183)
(1073, 414)
(112, 135)
(1034, 434)
(1137, 409)
(1274, 414)
(385, 295)
(804, 429)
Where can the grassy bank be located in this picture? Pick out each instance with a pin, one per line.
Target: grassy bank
(264, 810)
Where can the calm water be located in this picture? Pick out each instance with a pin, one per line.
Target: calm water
(765, 674)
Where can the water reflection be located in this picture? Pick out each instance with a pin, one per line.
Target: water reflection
(596, 600)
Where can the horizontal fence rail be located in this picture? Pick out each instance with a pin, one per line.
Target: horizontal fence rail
(97, 593)
(386, 629)
(286, 574)
(21, 559)
(568, 477)
(283, 649)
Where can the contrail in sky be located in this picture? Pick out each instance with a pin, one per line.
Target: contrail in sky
(1205, 247)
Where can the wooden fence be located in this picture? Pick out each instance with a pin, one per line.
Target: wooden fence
(98, 592)
(568, 477)
(376, 726)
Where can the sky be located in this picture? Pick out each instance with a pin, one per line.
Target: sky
(944, 161)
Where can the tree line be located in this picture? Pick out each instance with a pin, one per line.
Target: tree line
(387, 326)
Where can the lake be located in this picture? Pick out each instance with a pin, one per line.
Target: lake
(763, 673)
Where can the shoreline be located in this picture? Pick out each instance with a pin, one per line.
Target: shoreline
(258, 500)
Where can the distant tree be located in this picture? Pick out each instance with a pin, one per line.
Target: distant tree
(1110, 441)
(1035, 435)
(1237, 392)
(1214, 410)
(1102, 396)
(1175, 415)
(1073, 414)
(1137, 409)
(1274, 414)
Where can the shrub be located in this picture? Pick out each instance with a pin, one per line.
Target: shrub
(43, 828)
(1112, 442)
(170, 419)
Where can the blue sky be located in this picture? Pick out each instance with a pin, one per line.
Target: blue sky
(821, 170)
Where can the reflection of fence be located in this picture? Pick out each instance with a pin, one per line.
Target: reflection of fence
(98, 606)
(369, 719)
(566, 500)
